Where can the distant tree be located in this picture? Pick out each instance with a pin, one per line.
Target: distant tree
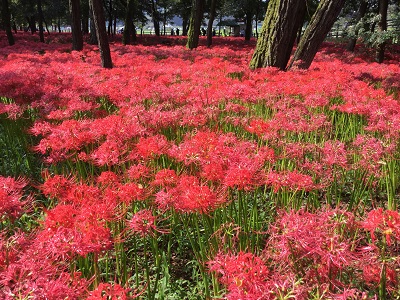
(129, 26)
(77, 38)
(155, 15)
(85, 12)
(182, 8)
(6, 17)
(100, 24)
(210, 22)
(320, 24)
(278, 33)
(195, 24)
(40, 20)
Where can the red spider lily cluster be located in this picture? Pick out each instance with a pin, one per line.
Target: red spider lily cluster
(173, 145)
(324, 249)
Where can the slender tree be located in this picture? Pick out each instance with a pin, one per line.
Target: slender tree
(77, 38)
(382, 27)
(320, 24)
(278, 33)
(100, 24)
(195, 24)
(6, 17)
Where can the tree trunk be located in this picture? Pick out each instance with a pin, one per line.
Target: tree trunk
(249, 23)
(316, 31)
(184, 26)
(85, 17)
(77, 38)
(210, 23)
(110, 17)
(360, 14)
(278, 33)
(155, 17)
(195, 24)
(6, 17)
(128, 29)
(40, 20)
(382, 27)
(32, 23)
(100, 24)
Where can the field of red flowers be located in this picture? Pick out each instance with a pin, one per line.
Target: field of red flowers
(183, 174)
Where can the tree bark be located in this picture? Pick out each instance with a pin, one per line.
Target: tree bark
(210, 23)
(195, 24)
(93, 35)
(382, 27)
(319, 26)
(6, 16)
(128, 29)
(278, 33)
(100, 24)
(360, 14)
(77, 38)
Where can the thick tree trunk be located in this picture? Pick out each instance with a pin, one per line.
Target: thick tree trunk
(210, 23)
(100, 24)
(278, 33)
(382, 27)
(77, 38)
(195, 24)
(128, 29)
(6, 17)
(319, 26)
(360, 14)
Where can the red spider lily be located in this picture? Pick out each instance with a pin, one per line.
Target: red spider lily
(165, 177)
(138, 171)
(291, 180)
(385, 222)
(108, 291)
(314, 245)
(151, 146)
(189, 196)
(245, 275)
(32, 272)
(335, 154)
(143, 223)
(12, 199)
(69, 231)
(372, 154)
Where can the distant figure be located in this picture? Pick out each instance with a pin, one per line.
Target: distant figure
(177, 31)
(214, 32)
(172, 31)
(203, 31)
